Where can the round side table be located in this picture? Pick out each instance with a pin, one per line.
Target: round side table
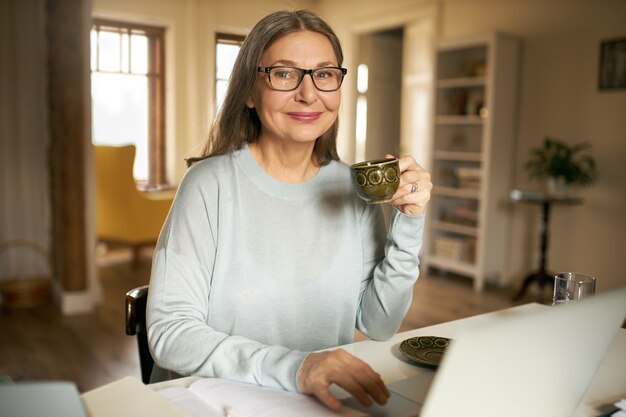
(541, 276)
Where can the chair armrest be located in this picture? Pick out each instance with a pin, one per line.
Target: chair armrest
(136, 300)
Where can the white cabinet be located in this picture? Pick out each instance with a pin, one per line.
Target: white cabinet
(475, 102)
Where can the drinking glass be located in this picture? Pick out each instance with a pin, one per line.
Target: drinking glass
(572, 286)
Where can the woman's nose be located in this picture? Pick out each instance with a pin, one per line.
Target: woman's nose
(306, 91)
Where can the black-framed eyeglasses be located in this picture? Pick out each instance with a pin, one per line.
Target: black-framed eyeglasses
(289, 78)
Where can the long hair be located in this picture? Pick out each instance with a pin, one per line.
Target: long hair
(236, 124)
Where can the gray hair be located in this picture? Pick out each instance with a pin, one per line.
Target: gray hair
(236, 124)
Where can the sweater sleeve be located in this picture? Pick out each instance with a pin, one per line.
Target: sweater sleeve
(389, 276)
(178, 305)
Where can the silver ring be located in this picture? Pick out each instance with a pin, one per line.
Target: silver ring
(414, 187)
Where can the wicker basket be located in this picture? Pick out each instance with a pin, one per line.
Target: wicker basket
(450, 248)
(25, 291)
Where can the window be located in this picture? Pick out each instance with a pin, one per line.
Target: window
(127, 93)
(362, 80)
(226, 49)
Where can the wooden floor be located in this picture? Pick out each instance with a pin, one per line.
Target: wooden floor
(92, 350)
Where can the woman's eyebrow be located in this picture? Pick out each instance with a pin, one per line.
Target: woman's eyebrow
(288, 63)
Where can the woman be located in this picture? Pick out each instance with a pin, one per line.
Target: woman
(267, 254)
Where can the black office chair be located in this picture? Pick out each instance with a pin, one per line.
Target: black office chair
(136, 326)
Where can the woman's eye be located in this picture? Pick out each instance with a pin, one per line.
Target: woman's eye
(326, 74)
(283, 74)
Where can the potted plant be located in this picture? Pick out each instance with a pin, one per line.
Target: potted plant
(562, 165)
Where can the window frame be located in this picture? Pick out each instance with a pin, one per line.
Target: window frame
(227, 39)
(155, 35)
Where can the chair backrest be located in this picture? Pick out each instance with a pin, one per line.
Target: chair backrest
(136, 300)
(123, 213)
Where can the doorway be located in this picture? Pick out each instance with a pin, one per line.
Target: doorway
(379, 87)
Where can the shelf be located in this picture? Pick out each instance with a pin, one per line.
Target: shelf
(456, 192)
(459, 120)
(454, 228)
(463, 82)
(458, 156)
(458, 267)
(473, 139)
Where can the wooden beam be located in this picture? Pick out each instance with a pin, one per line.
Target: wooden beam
(69, 124)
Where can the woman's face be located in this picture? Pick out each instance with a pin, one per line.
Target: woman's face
(304, 114)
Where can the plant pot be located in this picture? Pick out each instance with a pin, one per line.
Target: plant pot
(557, 187)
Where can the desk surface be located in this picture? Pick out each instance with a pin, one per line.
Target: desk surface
(608, 385)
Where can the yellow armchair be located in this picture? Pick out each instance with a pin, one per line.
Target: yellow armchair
(125, 215)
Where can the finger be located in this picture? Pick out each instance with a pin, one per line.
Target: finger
(357, 392)
(413, 182)
(412, 203)
(408, 164)
(414, 173)
(320, 370)
(420, 196)
(376, 389)
(322, 393)
(404, 163)
(363, 383)
(372, 383)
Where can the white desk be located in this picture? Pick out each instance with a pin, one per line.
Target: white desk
(608, 386)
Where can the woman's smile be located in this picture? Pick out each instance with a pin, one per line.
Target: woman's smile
(305, 117)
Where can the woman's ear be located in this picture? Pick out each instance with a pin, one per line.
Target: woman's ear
(250, 102)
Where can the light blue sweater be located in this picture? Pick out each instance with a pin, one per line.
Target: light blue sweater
(251, 273)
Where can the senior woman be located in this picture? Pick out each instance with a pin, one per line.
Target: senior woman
(267, 255)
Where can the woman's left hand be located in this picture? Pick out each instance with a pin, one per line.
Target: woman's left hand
(414, 190)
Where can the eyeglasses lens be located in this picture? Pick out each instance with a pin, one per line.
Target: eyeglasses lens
(287, 79)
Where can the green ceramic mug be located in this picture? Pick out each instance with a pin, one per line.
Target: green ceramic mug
(376, 181)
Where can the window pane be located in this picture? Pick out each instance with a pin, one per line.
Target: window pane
(93, 38)
(361, 127)
(120, 114)
(139, 49)
(220, 92)
(362, 78)
(124, 55)
(226, 55)
(109, 51)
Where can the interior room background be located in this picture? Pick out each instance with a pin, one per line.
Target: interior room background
(558, 96)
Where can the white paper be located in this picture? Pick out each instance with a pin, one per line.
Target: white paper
(249, 401)
(190, 402)
(129, 397)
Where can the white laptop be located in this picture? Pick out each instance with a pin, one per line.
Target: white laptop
(528, 365)
(42, 398)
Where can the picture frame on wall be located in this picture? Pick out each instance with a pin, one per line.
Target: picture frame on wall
(612, 70)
